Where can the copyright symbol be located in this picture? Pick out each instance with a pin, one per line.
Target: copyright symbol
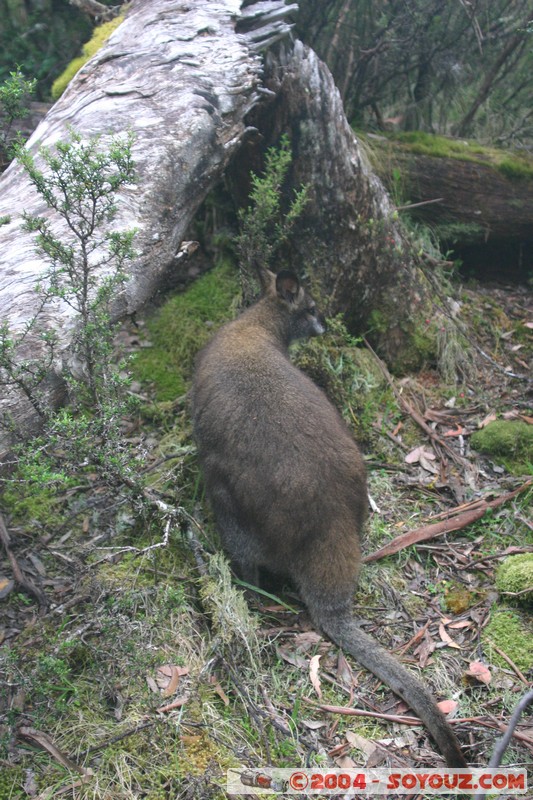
(298, 781)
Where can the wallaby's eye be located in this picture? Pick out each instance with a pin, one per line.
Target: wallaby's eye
(312, 311)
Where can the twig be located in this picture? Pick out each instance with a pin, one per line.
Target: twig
(138, 551)
(511, 664)
(503, 743)
(457, 523)
(359, 712)
(529, 590)
(136, 729)
(422, 203)
(25, 583)
(509, 551)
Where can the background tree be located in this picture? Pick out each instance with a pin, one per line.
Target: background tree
(41, 37)
(438, 66)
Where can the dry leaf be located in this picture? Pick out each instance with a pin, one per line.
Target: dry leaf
(446, 638)
(307, 639)
(479, 672)
(488, 419)
(313, 674)
(172, 683)
(292, 658)
(168, 669)
(6, 586)
(425, 649)
(459, 431)
(528, 325)
(360, 743)
(463, 623)
(414, 455)
(344, 671)
(152, 685)
(313, 724)
(345, 762)
(47, 744)
(180, 701)
(219, 690)
(447, 706)
(427, 465)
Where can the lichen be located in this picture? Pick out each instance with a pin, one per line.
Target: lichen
(510, 442)
(510, 633)
(100, 35)
(515, 574)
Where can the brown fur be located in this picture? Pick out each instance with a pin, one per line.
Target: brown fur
(286, 480)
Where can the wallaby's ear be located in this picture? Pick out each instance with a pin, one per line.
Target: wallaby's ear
(287, 286)
(267, 280)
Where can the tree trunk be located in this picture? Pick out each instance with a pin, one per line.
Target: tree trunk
(347, 238)
(182, 77)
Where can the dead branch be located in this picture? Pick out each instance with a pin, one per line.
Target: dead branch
(511, 664)
(456, 523)
(503, 743)
(25, 583)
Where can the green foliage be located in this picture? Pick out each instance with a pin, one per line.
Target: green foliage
(100, 35)
(13, 95)
(427, 65)
(181, 327)
(515, 574)
(79, 181)
(348, 375)
(265, 225)
(510, 442)
(40, 36)
(516, 168)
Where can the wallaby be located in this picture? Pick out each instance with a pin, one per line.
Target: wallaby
(286, 480)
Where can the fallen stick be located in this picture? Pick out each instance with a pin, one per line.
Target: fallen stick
(456, 523)
(405, 720)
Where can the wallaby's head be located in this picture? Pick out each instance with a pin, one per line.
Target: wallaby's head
(294, 304)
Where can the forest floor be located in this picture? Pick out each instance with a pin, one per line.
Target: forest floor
(144, 678)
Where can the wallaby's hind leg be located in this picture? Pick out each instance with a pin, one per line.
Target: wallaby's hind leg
(240, 546)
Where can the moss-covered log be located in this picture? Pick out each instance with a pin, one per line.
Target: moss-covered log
(482, 195)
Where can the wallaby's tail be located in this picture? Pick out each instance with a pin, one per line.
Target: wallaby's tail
(346, 633)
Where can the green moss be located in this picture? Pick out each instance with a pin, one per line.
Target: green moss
(181, 327)
(100, 35)
(509, 441)
(515, 166)
(515, 574)
(439, 146)
(508, 631)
